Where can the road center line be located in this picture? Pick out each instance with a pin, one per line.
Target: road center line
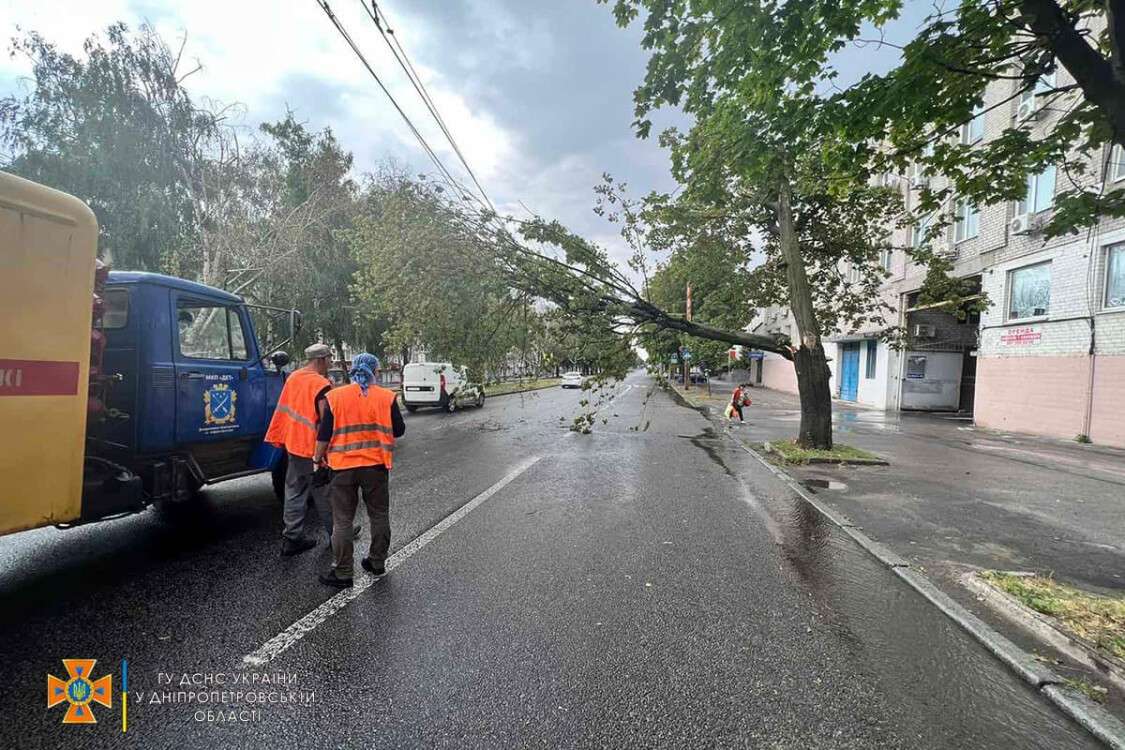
(298, 630)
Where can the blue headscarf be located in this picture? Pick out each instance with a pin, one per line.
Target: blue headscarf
(363, 370)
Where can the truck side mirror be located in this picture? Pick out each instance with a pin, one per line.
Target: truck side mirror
(279, 359)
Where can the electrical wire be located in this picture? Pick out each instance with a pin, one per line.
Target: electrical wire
(445, 173)
(395, 46)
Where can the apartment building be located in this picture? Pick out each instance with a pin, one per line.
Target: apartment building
(1048, 354)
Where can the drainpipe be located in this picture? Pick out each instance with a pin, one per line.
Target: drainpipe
(1091, 306)
(1089, 416)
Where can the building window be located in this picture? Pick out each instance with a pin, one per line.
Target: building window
(872, 358)
(973, 130)
(1029, 292)
(1040, 193)
(1115, 276)
(968, 221)
(921, 229)
(1045, 84)
(116, 313)
(1117, 163)
(886, 257)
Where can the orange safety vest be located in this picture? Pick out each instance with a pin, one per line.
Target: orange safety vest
(293, 425)
(362, 430)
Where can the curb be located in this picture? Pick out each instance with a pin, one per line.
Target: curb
(1092, 717)
(1042, 627)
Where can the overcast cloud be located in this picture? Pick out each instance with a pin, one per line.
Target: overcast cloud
(538, 93)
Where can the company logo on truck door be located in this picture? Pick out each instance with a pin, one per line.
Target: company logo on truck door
(219, 405)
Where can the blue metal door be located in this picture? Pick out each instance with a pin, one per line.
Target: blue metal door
(220, 388)
(849, 372)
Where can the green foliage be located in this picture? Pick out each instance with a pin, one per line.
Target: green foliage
(959, 296)
(311, 173)
(423, 267)
(758, 124)
(715, 58)
(115, 129)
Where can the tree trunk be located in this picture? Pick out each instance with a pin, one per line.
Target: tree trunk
(808, 360)
(1100, 80)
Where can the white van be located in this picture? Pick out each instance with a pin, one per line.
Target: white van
(438, 384)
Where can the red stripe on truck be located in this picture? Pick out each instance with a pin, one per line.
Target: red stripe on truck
(30, 377)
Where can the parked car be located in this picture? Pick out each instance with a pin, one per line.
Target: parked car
(439, 384)
(572, 380)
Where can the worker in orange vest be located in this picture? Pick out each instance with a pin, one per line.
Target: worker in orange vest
(293, 427)
(357, 439)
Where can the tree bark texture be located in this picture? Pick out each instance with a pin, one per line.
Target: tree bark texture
(808, 359)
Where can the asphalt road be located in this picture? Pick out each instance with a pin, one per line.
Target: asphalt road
(647, 584)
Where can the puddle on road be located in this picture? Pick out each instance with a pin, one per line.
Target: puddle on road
(824, 484)
(943, 678)
(951, 691)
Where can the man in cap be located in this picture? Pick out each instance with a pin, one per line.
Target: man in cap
(293, 427)
(357, 439)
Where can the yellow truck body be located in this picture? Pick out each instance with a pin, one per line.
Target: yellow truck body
(48, 245)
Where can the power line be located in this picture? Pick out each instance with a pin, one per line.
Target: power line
(446, 176)
(404, 62)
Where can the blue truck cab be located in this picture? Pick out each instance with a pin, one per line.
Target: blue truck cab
(192, 392)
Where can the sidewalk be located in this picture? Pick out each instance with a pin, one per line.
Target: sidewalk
(956, 497)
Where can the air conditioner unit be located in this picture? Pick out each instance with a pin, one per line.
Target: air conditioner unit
(1020, 224)
(890, 180)
(945, 250)
(919, 181)
(1027, 110)
(924, 331)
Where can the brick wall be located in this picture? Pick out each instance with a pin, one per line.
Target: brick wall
(1107, 422)
(1045, 396)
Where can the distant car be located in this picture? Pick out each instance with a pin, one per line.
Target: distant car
(439, 384)
(338, 377)
(698, 375)
(572, 380)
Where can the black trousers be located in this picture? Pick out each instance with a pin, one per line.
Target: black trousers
(737, 410)
(372, 483)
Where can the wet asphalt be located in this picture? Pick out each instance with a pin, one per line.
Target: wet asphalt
(646, 585)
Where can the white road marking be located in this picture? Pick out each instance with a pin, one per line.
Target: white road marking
(298, 630)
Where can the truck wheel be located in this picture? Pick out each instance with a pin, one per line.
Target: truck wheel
(278, 478)
(480, 400)
(451, 406)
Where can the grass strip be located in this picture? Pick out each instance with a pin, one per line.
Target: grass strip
(795, 454)
(1096, 619)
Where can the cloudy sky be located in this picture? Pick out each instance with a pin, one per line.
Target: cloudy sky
(538, 93)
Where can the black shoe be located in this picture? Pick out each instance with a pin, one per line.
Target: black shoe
(290, 548)
(374, 568)
(330, 579)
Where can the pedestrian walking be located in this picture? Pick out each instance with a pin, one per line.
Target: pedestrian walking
(293, 427)
(738, 399)
(356, 438)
